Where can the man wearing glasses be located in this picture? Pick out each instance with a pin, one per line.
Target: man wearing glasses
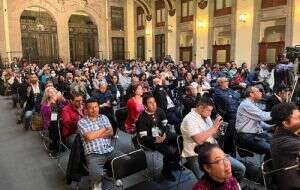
(250, 124)
(198, 128)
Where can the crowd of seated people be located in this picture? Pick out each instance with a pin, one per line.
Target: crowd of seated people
(164, 100)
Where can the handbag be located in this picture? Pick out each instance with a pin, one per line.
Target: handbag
(37, 122)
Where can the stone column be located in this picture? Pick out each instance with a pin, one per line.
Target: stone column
(244, 31)
(2, 35)
(201, 29)
(172, 36)
(6, 31)
(130, 29)
(149, 39)
(296, 23)
(63, 38)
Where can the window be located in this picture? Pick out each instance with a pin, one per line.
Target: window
(118, 48)
(223, 7)
(141, 48)
(187, 10)
(117, 18)
(160, 13)
(140, 18)
(272, 3)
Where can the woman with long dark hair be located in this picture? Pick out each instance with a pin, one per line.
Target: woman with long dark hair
(135, 107)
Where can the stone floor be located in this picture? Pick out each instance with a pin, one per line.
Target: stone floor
(24, 163)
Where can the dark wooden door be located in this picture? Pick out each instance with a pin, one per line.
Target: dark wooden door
(159, 47)
(118, 48)
(186, 54)
(221, 54)
(269, 51)
(83, 44)
(141, 48)
(40, 47)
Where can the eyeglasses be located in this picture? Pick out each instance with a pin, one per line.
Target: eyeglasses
(254, 91)
(221, 161)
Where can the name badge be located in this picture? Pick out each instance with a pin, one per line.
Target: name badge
(143, 133)
(54, 116)
(155, 131)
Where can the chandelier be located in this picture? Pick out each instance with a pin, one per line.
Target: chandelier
(39, 25)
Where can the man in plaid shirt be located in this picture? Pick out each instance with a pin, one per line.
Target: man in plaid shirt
(96, 133)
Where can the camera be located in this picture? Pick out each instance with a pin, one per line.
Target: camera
(292, 53)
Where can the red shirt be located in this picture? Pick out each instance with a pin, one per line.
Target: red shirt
(70, 116)
(134, 110)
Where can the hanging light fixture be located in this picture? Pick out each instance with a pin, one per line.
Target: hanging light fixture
(39, 25)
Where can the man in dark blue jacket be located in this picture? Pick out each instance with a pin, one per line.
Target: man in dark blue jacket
(227, 102)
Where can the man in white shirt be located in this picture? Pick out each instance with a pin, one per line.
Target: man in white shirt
(197, 128)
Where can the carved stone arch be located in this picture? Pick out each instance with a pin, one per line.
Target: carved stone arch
(51, 10)
(170, 4)
(146, 9)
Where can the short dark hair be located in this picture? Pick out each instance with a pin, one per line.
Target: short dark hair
(282, 112)
(281, 88)
(91, 100)
(75, 94)
(204, 151)
(203, 101)
(146, 97)
(248, 91)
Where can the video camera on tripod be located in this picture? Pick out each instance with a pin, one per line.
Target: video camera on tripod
(292, 53)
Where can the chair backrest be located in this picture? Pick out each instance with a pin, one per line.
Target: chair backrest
(121, 116)
(268, 173)
(128, 164)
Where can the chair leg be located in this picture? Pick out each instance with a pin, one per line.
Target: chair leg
(77, 186)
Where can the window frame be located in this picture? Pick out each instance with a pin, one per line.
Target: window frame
(224, 10)
(160, 6)
(190, 16)
(272, 3)
(140, 13)
(121, 9)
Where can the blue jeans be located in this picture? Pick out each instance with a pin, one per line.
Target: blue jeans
(257, 143)
(95, 163)
(238, 169)
(28, 118)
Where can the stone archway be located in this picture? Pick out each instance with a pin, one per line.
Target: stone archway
(83, 37)
(39, 36)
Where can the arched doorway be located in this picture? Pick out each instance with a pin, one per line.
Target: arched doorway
(83, 37)
(39, 36)
(272, 40)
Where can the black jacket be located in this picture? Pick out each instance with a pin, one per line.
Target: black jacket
(34, 102)
(188, 102)
(271, 102)
(76, 162)
(285, 149)
(160, 94)
(146, 122)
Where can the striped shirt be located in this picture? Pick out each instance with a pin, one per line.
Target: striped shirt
(99, 145)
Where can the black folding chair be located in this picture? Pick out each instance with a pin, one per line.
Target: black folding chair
(180, 149)
(62, 149)
(268, 172)
(127, 165)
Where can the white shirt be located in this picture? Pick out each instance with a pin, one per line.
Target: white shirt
(192, 125)
(170, 102)
(36, 89)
